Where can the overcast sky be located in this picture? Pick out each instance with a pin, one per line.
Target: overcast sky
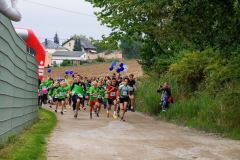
(46, 21)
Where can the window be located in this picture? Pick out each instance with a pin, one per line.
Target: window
(31, 51)
(69, 44)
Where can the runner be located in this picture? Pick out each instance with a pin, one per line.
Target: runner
(123, 98)
(67, 88)
(112, 91)
(132, 84)
(62, 93)
(93, 99)
(43, 92)
(77, 93)
(100, 95)
(55, 95)
(50, 95)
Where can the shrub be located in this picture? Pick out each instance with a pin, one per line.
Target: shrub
(206, 91)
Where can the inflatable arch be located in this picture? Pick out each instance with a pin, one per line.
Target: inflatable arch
(35, 47)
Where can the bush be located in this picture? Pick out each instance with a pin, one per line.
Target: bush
(206, 92)
(100, 59)
(66, 63)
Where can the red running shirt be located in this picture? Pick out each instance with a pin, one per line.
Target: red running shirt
(113, 93)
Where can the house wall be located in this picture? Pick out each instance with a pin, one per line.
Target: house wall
(59, 60)
(48, 60)
(48, 57)
(18, 83)
(69, 45)
(113, 55)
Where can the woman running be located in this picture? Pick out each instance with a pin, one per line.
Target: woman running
(132, 84)
(124, 97)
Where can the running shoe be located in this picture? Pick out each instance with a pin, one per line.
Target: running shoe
(61, 112)
(114, 116)
(75, 115)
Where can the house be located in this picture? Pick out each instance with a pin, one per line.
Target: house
(50, 48)
(86, 45)
(116, 54)
(74, 56)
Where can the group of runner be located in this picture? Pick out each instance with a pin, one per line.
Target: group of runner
(79, 92)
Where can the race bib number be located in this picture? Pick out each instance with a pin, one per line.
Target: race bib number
(125, 93)
(112, 94)
(80, 95)
(61, 94)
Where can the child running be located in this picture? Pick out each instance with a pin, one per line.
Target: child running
(77, 92)
(112, 91)
(93, 99)
(61, 95)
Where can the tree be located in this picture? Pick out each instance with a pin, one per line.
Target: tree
(130, 46)
(56, 39)
(77, 45)
(166, 27)
(106, 44)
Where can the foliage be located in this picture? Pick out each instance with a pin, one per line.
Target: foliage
(32, 143)
(66, 63)
(100, 59)
(106, 44)
(168, 27)
(77, 45)
(56, 39)
(206, 91)
(130, 46)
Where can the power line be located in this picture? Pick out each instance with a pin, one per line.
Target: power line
(61, 9)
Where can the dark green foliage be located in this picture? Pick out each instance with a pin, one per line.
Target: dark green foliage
(77, 45)
(56, 39)
(99, 59)
(66, 63)
(130, 47)
(206, 91)
(168, 27)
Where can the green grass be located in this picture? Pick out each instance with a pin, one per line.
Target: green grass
(31, 144)
(200, 110)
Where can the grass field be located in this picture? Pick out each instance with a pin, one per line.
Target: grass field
(31, 144)
(96, 70)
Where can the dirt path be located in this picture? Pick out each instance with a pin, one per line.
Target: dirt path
(140, 138)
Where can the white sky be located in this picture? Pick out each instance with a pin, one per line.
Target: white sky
(45, 21)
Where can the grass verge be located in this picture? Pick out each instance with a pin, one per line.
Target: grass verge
(201, 110)
(31, 144)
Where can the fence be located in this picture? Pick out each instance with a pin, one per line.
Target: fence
(18, 82)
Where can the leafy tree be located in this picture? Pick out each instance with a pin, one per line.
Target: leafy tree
(56, 39)
(106, 44)
(66, 63)
(166, 27)
(130, 47)
(77, 45)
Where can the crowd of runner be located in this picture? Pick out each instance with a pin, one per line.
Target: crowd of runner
(77, 92)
